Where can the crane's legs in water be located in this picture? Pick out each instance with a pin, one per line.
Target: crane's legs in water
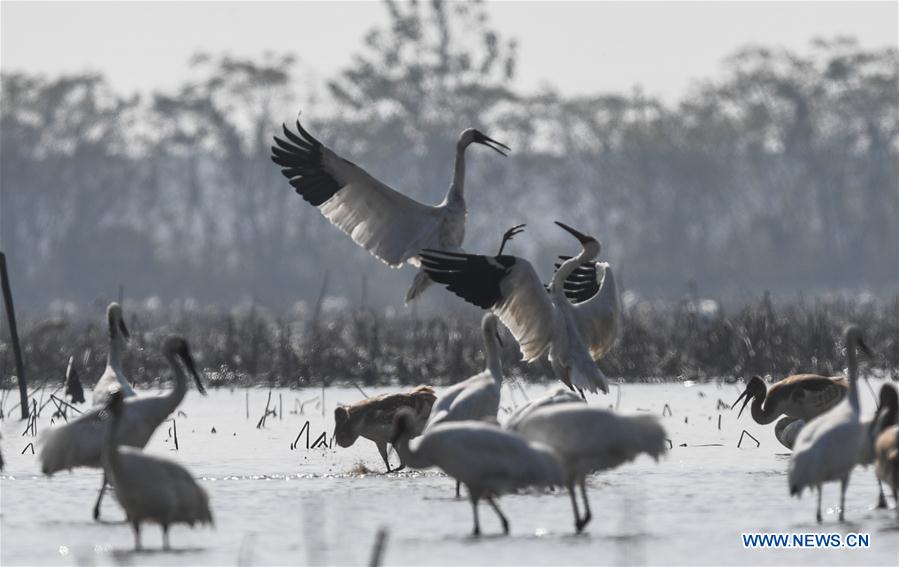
(458, 493)
(382, 448)
(100, 497)
(577, 515)
(844, 483)
(165, 537)
(588, 516)
(136, 527)
(500, 514)
(881, 499)
(474, 509)
(819, 504)
(402, 464)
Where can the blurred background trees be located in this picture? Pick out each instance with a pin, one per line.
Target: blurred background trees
(780, 173)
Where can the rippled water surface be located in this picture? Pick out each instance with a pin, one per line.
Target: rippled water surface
(277, 505)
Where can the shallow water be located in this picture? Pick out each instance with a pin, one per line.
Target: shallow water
(275, 505)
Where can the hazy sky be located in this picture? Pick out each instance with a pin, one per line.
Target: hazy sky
(577, 47)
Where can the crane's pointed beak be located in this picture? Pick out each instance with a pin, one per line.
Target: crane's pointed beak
(189, 362)
(492, 144)
(582, 238)
(747, 397)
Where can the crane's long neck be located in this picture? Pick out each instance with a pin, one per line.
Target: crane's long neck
(116, 347)
(568, 266)
(493, 353)
(409, 457)
(176, 394)
(852, 363)
(456, 194)
(763, 414)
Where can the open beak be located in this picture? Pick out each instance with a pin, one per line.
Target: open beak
(746, 395)
(492, 144)
(189, 362)
(582, 238)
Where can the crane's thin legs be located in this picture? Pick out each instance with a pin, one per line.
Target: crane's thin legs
(881, 499)
(382, 448)
(577, 515)
(458, 493)
(100, 497)
(499, 513)
(474, 509)
(588, 516)
(844, 483)
(819, 504)
(136, 527)
(165, 537)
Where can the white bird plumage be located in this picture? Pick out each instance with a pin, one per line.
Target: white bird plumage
(148, 488)
(590, 439)
(391, 226)
(828, 446)
(476, 398)
(558, 395)
(541, 322)
(114, 375)
(79, 443)
(488, 460)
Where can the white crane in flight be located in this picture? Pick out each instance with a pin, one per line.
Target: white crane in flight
(390, 225)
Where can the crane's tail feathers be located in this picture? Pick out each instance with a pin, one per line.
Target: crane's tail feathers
(590, 378)
(421, 282)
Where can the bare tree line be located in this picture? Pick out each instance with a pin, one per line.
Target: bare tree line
(778, 173)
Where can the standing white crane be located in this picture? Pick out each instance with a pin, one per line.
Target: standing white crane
(476, 398)
(114, 375)
(541, 322)
(391, 226)
(148, 488)
(79, 443)
(829, 446)
(488, 460)
(589, 439)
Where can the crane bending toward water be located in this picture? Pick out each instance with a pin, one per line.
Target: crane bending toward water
(488, 460)
(79, 443)
(803, 396)
(590, 439)
(884, 417)
(541, 322)
(828, 447)
(373, 417)
(113, 376)
(391, 226)
(148, 488)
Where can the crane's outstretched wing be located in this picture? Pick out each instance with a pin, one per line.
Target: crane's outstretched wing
(594, 296)
(393, 227)
(507, 285)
